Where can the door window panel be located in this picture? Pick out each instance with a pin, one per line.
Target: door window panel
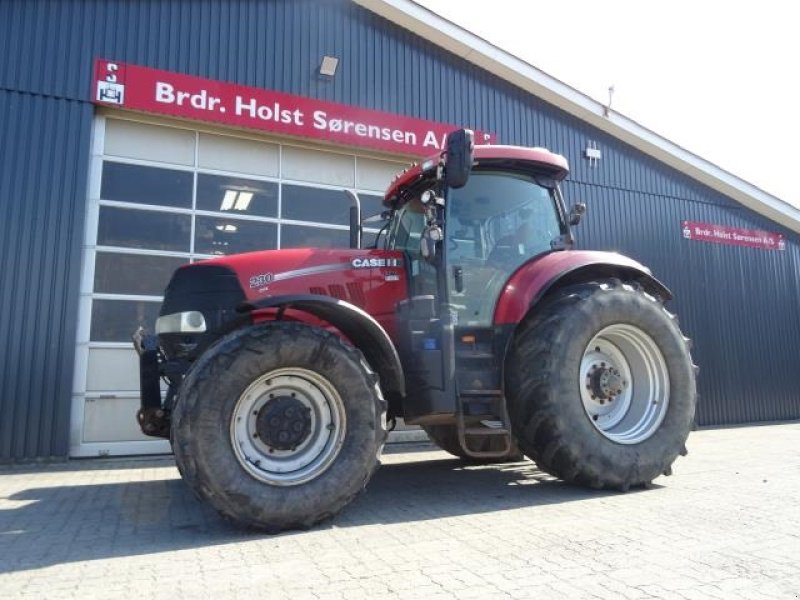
(237, 196)
(131, 228)
(146, 185)
(302, 203)
(116, 320)
(371, 205)
(231, 236)
(295, 236)
(136, 274)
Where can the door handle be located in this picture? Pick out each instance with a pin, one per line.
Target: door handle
(458, 277)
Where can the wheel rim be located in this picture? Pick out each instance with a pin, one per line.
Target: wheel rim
(288, 426)
(624, 384)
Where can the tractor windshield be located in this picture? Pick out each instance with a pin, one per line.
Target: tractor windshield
(495, 223)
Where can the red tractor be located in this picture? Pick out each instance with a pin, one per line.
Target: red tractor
(471, 316)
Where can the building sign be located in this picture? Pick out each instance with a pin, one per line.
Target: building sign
(733, 236)
(164, 93)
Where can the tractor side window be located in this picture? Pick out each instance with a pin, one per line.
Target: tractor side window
(408, 230)
(502, 218)
(495, 223)
(406, 235)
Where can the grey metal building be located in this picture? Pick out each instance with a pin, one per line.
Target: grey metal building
(99, 203)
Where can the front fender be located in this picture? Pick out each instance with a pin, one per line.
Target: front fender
(528, 284)
(358, 326)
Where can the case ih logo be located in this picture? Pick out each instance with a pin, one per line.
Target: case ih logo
(372, 263)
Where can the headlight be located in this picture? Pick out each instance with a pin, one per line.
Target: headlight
(182, 322)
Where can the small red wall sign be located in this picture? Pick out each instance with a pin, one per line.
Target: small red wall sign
(164, 93)
(733, 236)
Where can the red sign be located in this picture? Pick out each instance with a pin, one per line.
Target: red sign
(188, 97)
(733, 236)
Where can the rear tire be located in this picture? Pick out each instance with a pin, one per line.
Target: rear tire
(279, 426)
(446, 437)
(601, 387)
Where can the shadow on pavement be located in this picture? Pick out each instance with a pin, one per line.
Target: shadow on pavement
(55, 525)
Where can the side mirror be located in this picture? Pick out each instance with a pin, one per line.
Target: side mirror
(460, 144)
(576, 213)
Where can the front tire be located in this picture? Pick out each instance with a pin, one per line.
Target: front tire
(279, 426)
(601, 387)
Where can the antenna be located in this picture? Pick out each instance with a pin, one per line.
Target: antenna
(607, 108)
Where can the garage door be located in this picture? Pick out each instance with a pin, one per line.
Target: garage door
(161, 196)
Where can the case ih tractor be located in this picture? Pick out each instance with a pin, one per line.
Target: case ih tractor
(471, 316)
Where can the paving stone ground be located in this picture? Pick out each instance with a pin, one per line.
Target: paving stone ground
(726, 525)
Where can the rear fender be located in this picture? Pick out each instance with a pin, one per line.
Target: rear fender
(532, 283)
(535, 279)
(357, 326)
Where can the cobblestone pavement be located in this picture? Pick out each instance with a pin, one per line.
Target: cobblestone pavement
(726, 525)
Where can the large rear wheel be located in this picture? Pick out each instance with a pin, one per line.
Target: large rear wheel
(601, 387)
(279, 426)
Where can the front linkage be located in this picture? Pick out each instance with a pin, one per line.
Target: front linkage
(154, 416)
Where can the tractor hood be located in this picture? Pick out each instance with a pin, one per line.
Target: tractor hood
(305, 270)
(370, 279)
(373, 280)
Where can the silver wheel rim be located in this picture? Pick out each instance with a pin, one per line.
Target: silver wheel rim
(624, 384)
(312, 456)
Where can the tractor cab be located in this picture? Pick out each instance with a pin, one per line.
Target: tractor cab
(508, 212)
(465, 222)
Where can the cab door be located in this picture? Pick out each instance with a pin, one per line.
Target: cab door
(425, 334)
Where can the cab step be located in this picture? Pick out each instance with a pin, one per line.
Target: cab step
(485, 431)
(495, 424)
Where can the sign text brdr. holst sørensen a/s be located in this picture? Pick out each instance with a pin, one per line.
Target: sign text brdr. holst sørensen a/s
(732, 236)
(162, 92)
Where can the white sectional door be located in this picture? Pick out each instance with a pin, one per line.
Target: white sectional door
(162, 195)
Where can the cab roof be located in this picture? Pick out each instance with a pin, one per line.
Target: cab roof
(539, 160)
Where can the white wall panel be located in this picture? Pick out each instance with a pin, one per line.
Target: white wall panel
(112, 369)
(376, 175)
(316, 166)
(227, 153)
(128, 139)
(111, 420)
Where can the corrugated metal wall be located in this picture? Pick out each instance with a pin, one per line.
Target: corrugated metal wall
(43, 156)
(739, 304)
